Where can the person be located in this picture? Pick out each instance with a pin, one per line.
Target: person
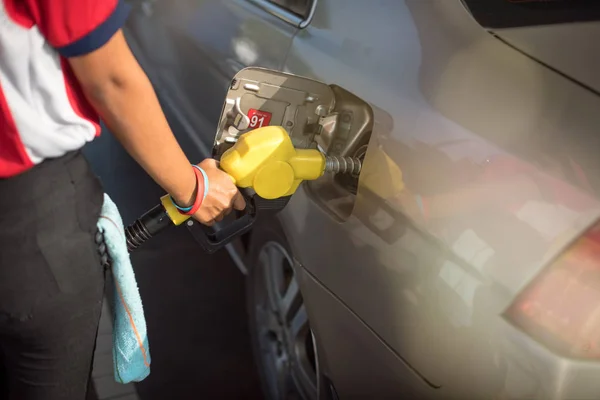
(64, 66)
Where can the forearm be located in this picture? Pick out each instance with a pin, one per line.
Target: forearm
(132, 113)
(126, 102)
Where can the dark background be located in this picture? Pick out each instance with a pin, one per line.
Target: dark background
(193, 302)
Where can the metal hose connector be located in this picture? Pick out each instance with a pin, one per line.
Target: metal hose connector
(136, 234)
(343, 165)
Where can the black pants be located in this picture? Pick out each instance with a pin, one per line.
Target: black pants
(51, 279)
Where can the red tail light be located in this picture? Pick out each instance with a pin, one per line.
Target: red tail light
(561, 307)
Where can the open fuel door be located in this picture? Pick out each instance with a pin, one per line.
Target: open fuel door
(277, 131)
(314, 114)
(327, 119)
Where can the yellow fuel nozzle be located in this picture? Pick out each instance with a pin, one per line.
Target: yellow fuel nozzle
(266, 160)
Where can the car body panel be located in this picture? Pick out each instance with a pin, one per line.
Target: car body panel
(567, 48)
(454, 108)
(460, 100)
(351, 355)
(195, 47)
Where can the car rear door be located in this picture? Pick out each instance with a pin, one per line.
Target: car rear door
(489, 146)
(192, 49)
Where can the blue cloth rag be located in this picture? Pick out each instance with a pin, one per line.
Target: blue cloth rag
(131, 354)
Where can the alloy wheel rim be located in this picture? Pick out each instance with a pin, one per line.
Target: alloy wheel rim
(286, 343)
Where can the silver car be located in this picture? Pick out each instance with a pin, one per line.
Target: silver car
(464, 263)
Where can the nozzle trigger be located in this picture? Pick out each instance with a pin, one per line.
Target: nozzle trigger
(216, 237)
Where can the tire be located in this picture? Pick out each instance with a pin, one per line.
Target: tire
(283, 344)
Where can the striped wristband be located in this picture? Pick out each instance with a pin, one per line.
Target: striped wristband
(201, 185)
(205, 180)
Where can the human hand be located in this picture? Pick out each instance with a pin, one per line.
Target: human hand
(222, 195)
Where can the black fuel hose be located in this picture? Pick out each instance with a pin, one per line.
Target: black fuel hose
(152, 222)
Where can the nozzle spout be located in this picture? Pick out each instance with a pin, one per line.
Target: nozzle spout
(343, 165)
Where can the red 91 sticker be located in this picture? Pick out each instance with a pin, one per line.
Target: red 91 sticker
(258, 118)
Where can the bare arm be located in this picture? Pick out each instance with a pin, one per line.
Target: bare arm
(120, 91)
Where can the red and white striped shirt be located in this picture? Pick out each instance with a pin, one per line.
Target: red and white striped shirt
(43, 111)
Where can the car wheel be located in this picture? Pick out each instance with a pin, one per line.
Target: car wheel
(284, 346)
